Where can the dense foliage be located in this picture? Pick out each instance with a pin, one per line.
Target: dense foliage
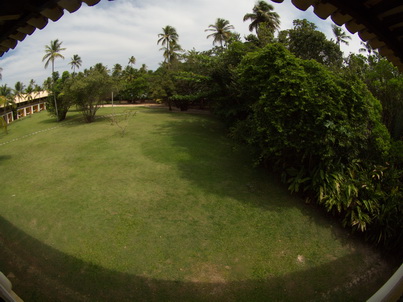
(88, 90)
(55, 87)
(386, 84)
(331, 127)
(306, 42)
(323, 133)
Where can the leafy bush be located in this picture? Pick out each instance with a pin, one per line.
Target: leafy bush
(386, 84)
(189, 88)
(56, 91)
(323, 132)
(228, 103)
(304, 114)
(88, 91)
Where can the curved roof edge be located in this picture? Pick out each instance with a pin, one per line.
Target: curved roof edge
(378, 22)
(20, 18)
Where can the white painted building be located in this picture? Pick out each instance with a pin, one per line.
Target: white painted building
(26, 104)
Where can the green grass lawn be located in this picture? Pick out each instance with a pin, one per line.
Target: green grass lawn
(172, 211)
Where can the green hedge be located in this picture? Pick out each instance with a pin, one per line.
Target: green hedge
(323, 132)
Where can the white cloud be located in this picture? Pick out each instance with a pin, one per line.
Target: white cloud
(111, 32)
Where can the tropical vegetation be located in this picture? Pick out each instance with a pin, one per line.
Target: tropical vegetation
(329, 126)
(263, 15)
(172, 211)
(53, 51)
(75, 63)
(340, 35)
(221, 31)
(169, 39)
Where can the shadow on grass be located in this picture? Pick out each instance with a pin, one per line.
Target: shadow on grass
(72, 116)
(4, 157)
(219, 166)
(41, 273)
(165, 110)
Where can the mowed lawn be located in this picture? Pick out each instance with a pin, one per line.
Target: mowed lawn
(172, 211)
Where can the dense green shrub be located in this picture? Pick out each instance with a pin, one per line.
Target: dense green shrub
(56, 90)
(305, 114)
(323, 133)
(190, 88)
(88, 90)
(228, 103)
(386, 84)
(306, 42)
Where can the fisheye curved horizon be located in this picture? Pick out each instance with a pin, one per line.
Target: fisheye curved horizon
(172, 210)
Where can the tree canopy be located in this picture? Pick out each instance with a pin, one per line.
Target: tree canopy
(331, 127)
(221, 31)
(88, 90)
(306, 42)
(263, 14)
(169, 39)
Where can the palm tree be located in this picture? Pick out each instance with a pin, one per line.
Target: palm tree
(143, 68)
(117, 70)
(3, 122)
(132, 60)
(52, 52)
(5, 90)
(172, 54)
(19, 89)
(75, 63)
(341, 36)
(129, 73)
(263, 13)
(221, 31)
(30, 91)
(19, 92)
(101, 68)
(7, 96)
(169, 37)
(1, 69)
(366, 48)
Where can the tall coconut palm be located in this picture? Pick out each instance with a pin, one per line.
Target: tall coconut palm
(132, 60)
(263, 13)
(75, 63)
(340, 35)
(221, 31)
(53, 52)
(169, 37)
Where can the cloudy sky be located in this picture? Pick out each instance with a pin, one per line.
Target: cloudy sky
(111, 32)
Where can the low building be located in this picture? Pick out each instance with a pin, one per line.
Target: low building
(26, 104)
